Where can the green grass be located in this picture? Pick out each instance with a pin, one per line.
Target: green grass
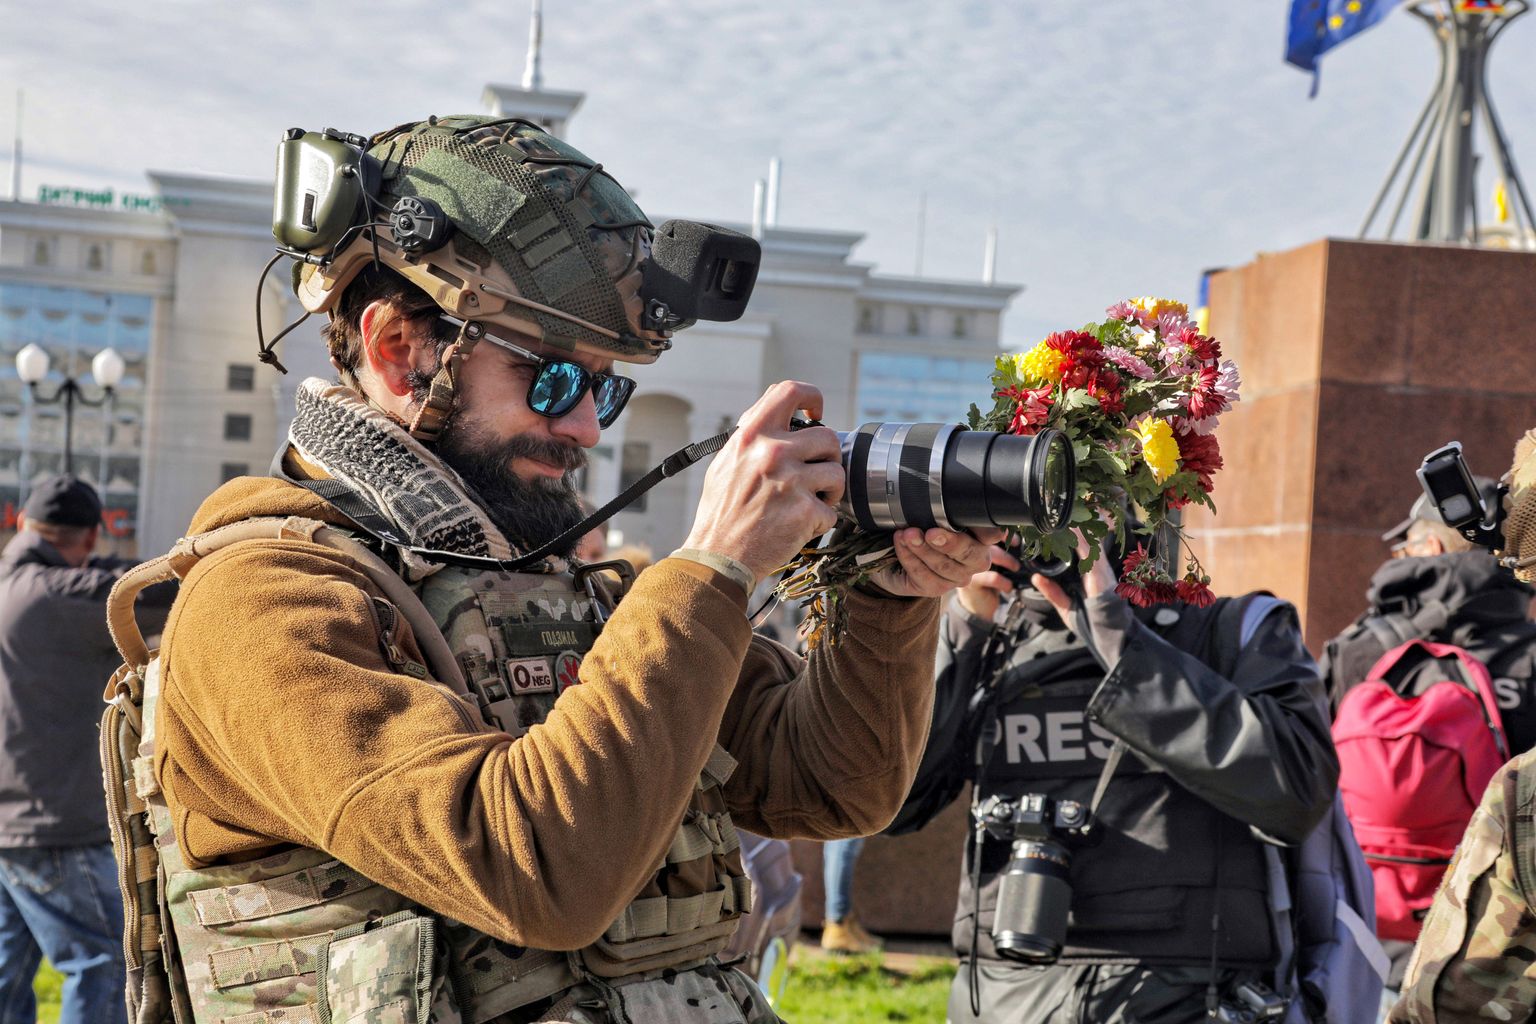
(829, 990)
(47, 985)
(844, 990)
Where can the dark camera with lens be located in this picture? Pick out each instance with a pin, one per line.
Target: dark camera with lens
(1035, 892)
(1450, 486)
(940, 474)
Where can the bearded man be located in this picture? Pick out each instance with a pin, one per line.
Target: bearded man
(345, 832)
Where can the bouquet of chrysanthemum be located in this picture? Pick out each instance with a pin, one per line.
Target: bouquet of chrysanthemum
(1138, 396)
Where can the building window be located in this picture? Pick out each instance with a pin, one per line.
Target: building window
(242, 377)
(94, 257)
(237, 426)
(229, 470)
(867, 319)
(147, 263)
(42, 253)
(914, 322)
(634, 463)
(960, 328)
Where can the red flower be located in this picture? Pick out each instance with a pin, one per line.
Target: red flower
(1142, 583)
(1199, 453)
(1032, 410)
(1196, 591)
(1134, 560)
(1204, 399)
(1205, 349)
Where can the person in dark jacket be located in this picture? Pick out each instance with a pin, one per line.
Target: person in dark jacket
(1222, 721)
(1437, 586)
(58, 882)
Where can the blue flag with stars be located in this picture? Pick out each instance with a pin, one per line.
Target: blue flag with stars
(1317, 26)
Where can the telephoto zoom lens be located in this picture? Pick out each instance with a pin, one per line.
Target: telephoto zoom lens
(1033, 900)
(940, 474)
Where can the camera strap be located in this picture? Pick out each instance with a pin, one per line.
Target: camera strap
(370, 522)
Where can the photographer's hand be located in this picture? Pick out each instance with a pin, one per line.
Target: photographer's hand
(981, 596)
(771, 489)
(935, 561)
(1100, 579)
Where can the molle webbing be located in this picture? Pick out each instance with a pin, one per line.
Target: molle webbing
(308, 887)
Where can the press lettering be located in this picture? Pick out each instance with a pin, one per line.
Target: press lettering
(1023, 739)
(1100, 750)
(1506, 693)
(1063, 728)
(1055, 737)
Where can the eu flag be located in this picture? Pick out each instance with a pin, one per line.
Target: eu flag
(1317, 26)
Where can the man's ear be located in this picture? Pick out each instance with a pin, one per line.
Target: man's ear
(387, 347)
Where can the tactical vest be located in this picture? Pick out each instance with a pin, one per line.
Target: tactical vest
(300, 937)
(1147, 891)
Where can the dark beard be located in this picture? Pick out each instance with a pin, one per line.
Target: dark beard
(530, 513)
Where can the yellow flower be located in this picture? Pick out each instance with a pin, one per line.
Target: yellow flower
(1155, 307)
(1159, 450)
(1040, 365)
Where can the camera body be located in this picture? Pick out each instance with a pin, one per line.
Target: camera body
(1250, 1003)
(1449, 484)
(1035, 893)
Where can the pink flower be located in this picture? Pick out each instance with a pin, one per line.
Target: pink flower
(1228, 382)
(1130, 312)
(1129, 362)
(1171, 323)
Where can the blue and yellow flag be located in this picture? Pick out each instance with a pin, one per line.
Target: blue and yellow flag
(1317, 26)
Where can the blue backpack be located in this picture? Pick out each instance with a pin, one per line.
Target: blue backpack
(1322, 899)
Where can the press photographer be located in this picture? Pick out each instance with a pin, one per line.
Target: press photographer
(1133, 766)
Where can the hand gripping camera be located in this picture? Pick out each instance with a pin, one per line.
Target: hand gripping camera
(1035, 893)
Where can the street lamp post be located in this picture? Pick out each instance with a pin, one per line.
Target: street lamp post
(107, 367)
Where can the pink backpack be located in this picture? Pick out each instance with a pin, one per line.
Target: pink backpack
(1412, 770)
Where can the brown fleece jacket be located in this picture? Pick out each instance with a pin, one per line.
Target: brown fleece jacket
(281, 722)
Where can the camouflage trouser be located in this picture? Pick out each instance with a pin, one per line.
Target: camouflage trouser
(703, 995)
(1083, 994)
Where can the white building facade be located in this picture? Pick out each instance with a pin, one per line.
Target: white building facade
(169, 279)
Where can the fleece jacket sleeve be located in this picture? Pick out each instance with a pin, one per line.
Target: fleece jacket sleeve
(282, 722)
(828, 748)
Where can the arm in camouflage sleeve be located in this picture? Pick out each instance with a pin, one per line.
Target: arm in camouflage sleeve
(1476, 957)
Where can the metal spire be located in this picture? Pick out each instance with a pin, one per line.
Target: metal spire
(1441, 142)
(533, 75)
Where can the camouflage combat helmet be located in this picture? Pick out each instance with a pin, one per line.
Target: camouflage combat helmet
(540, 239)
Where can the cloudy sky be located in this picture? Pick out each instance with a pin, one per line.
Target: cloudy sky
(1120, 146)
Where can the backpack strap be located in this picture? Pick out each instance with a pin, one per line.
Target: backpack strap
(189, 551)
(1476, 671)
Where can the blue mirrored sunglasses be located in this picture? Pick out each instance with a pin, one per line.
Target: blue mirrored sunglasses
(559, 384)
